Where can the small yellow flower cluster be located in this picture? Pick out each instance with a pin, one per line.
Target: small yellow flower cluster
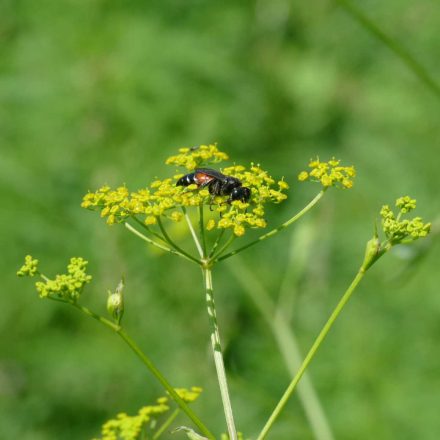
(397, 230)
(125, 427)
(329, 174)
(164, 198)
(192, 158)
(67, 286)
(29, 268)
(117, 205)
(189, 395)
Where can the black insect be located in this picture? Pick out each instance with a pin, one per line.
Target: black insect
(217, 183)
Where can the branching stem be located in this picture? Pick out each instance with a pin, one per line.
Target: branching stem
(147, 362)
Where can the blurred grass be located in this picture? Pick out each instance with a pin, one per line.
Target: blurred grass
(101, 91)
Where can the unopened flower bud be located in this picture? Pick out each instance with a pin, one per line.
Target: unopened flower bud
(372, 252)
(115, 303)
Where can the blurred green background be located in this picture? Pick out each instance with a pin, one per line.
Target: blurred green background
(102, 91)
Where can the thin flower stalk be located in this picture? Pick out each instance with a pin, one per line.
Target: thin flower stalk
(166, 424)
(216, 243)
(161, 246)
(274, 231)
(173, 244)
(288, 347)
(311, 354)
(396, 231)
(146, 361)
(193, 233)
(202, 230)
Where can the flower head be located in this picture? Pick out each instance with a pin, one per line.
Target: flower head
(329, 173)
(163, 199)
(398, 230)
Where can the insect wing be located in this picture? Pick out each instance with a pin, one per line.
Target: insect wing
(205, 175)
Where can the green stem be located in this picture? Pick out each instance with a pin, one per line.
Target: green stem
(393, 45)
(171, 391)
(310, 355)
(217, 242)
(277, 229)
(224, 247)
(148, 363)
(202, 230)
(160, 237)
(94, 315)
(193, 233)
(149, 240)
(160, 246)
(218, 356)
(173, 244)
(166, 424)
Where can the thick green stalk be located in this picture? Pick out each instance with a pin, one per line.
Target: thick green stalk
(422, 74)
(218, 356)
(310, 355)
(277, 229)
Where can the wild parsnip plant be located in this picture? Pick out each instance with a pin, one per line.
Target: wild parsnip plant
(222, 222)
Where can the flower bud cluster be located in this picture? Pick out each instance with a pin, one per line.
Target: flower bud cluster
(192, 158)
(189, 395)
(125, 427)
(67, 286)
(396, 229)
(29, 268)
(329, 173)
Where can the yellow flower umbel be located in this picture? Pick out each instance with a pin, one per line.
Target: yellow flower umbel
(164, 200)
(329, 173)
(125, 427)
(66, 286)
(192, 158)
